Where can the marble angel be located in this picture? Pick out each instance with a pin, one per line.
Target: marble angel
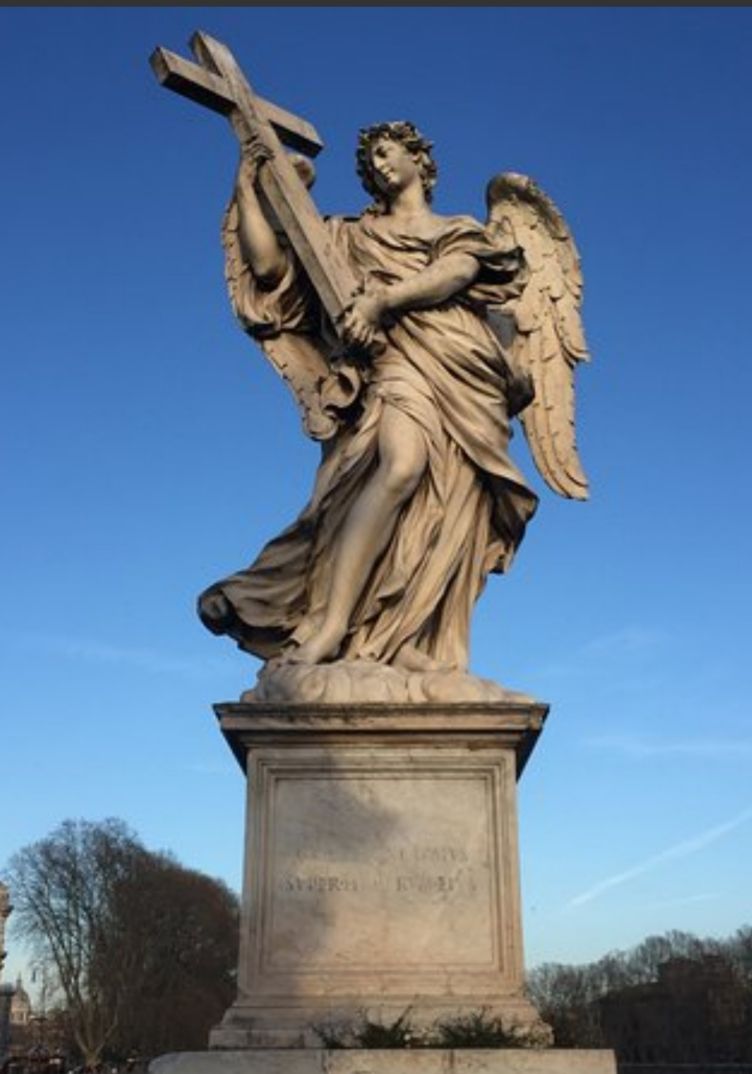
(456, 328)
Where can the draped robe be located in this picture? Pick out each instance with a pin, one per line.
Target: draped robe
(446, 370)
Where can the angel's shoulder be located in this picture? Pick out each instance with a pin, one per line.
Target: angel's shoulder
(459, 222)
(460, 233)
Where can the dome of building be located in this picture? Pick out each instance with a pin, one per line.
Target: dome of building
(20, 1005)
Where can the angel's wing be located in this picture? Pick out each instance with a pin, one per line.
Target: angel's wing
(547, 339)
(321, 392)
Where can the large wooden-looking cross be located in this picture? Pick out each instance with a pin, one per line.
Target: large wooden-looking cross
(218, 83)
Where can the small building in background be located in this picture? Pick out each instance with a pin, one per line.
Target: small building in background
(696, 1012)
(21, 1011)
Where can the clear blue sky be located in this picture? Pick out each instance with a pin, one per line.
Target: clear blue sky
(149, 450)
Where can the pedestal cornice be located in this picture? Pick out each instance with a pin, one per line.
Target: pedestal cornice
(508, 724)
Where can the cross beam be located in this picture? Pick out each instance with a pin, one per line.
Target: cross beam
(200, 85)
(218, 83)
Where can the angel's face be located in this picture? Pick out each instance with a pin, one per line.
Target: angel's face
(394, 167)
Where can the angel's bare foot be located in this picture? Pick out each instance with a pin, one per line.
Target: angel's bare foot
(411, 659)
(323, 645)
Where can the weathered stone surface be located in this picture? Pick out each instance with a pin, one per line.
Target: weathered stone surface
(381, 866)
(510, 724)
(429, 1061)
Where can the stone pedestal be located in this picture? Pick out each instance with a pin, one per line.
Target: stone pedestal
(381, 867)
(365, 1061)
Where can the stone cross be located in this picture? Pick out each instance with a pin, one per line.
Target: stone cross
(217, 82)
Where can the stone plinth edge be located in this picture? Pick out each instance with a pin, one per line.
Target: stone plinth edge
(392, 1061)
(512, 724)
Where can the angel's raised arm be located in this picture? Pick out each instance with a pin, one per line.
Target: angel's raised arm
(259, 245)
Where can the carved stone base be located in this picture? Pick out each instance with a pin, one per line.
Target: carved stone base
(381, 866)
(418, 1061)
(358, 681)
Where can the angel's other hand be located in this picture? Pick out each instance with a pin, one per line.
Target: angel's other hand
(356, 330)
(370, 306)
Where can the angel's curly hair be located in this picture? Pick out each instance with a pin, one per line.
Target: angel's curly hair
(410, 137)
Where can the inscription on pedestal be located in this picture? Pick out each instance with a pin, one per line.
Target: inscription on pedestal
(413, 869)
(367, 868)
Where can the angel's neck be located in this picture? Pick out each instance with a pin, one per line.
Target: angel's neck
(409, 203)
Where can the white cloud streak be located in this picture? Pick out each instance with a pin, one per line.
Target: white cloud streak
(680, 850)
(621, 642)
(619, 649)
(207, 768)
(97, 652)
(685, 900)
(690, 747)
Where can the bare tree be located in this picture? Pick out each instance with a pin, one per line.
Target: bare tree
(566, 998)
(643, 961)
(739, 951)
(179, 934)
(141, 950)
(676, 997)
(62, 888)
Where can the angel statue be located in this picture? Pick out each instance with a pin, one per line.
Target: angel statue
(455, 328)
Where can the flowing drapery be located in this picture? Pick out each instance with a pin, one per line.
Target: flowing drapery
(444, 368)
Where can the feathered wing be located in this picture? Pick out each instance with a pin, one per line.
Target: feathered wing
(548, 339)
(299, 356)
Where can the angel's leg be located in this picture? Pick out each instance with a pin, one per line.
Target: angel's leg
(368, 529)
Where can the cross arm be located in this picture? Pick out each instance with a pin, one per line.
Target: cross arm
(212, 91)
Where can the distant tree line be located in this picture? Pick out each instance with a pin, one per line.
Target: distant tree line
(138, 953)
(674, 998)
